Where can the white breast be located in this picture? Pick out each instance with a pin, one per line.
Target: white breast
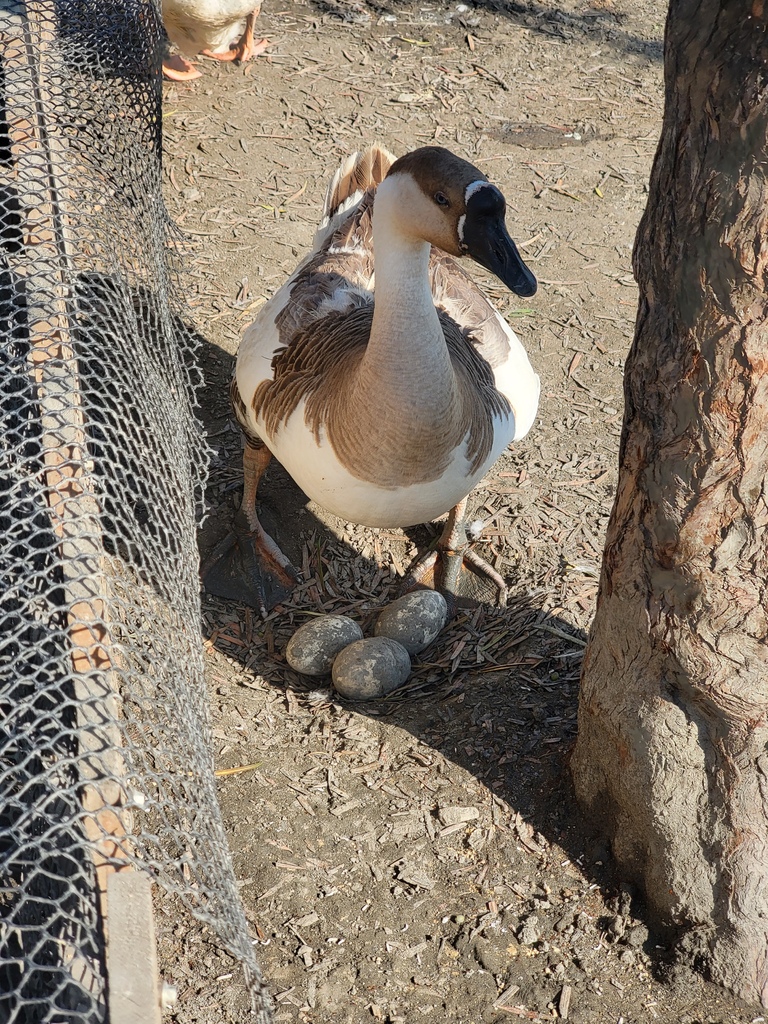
(317, 471)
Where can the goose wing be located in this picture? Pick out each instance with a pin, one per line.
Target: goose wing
(487, 332)
(335, 278)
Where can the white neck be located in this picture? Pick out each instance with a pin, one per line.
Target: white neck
(406, 351)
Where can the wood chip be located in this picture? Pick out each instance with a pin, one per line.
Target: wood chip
(505, 996)
(564, 1002)
(305, 805)
(343, 808)
(275, 888)
(411, 874)
(575, 362)
(457, 815)
(306, 920)
(224, 772)
(450, 829)
(415, 950)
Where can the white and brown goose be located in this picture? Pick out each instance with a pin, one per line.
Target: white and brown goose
(386, 398)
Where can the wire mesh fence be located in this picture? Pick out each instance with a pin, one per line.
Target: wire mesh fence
(105, 757)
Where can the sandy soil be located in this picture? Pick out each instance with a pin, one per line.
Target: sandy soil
(422, 858)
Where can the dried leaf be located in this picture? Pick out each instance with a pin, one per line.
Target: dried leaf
(223, 772)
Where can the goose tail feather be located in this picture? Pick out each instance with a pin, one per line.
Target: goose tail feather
(357, 173)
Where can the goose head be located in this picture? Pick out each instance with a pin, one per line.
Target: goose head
(446, 201)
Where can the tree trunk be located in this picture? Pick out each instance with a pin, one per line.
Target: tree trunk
(671, 755)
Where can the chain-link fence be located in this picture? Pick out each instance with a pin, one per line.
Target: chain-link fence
(104, 738)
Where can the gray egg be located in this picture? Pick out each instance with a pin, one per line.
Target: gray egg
(371, 668)
(313, 647)
(414, 619)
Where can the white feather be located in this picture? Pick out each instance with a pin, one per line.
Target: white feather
(317, 471)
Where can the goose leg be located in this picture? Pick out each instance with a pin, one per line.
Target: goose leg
(245, 48)
(446, 568)
(248, 565)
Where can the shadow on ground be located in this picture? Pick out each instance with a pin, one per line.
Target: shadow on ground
(598, 22)
(496, 693)
(495, 698)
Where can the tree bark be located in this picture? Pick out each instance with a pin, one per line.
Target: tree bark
(671, 754)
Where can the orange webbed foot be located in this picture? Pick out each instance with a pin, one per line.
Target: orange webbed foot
(242, 51)
(177, 69)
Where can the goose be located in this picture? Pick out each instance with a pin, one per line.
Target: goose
(222, 29)
(380, 375)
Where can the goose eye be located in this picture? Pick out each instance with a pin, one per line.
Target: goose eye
(441, 199)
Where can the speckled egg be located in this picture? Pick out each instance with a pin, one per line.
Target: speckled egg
(313, 647)
(414, 619)
(371, 668)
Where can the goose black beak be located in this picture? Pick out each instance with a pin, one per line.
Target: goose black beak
(484, 237)
(494, 249)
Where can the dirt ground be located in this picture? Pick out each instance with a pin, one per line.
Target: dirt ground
(422, 858)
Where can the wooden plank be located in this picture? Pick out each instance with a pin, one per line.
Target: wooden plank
(132, 978)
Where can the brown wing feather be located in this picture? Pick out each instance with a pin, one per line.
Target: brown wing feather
(320, 366)
(456, 292)
(340, 271)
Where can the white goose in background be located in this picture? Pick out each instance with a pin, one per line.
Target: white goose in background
(221, 29)
(385, 400)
